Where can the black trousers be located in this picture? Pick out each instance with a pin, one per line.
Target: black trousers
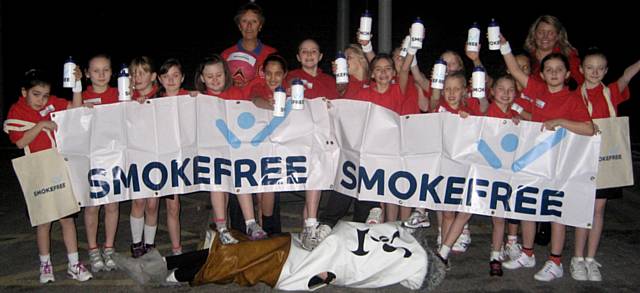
(187, 264)
(236, 219)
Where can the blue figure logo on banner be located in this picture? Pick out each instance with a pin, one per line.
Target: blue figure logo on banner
(247, 120)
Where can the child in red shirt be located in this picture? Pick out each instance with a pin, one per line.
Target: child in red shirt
(316, 82)
(99, 73)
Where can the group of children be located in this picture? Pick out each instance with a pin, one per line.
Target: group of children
(531, 90)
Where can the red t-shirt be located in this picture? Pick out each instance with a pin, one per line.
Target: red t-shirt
(391, 99)
(150, 95)
(547, 106)
(232, 93)
(496, 112)
(109, 96)
(21, 111)
(574, 66)
(258, 88)
(260, 53)
(444, 107)
(321, 85)
(600, 109)
(180, 93)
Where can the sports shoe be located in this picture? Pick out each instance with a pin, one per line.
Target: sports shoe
(593, 270)
(445, 261)
(255, 232)
(309, 238)
(322, 232)
(225, 237)
(418, 219)
(137, 249)
(46, 273)
(375, 216)
(79, 272)
(578, 269)
(148, 247)
(495, 268)
(522, 261)
(107, 256)
(95, 258)
(462, 243)
(549, 272)
(512, 251)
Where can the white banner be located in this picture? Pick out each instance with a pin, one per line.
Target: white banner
(440, 161)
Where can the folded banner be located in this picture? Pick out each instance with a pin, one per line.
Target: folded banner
(440, 161)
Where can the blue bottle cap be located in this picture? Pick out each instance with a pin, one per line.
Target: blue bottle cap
(441, 61)
(478, 68)
(70, 59)
(340, 55)
(366, 13)
(476, 25)
(297, 81)
(418, 20)
(493, 22)
(280, 89)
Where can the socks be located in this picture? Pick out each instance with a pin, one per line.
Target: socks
(45, 258)
(221, 224)
(249, 222)
(444, 251)
(557, 259)
(512, 239)
(528, 251)
(73, 258)
(150, 234)
(310, 222)
(137, 227)
(589, 259)
(580, 258)
(495, 255)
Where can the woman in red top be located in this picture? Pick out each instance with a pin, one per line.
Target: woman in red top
(30, 127)
(213, 78)
(554, 106)
(602, 102)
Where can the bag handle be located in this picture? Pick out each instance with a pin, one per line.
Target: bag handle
(22, 126)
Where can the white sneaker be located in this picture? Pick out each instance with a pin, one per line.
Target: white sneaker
(593, 270)
(375, 216)
(462, 243)
(578, 269)
(522, 261)
(79, 272)
(226, 238)
(107, 256)
(512, 251)
(95, 259)
(322, 232)
(418, 219)
(549, 272)
(46, 273)
(309, 238)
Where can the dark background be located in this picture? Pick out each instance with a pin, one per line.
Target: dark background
(44, 34)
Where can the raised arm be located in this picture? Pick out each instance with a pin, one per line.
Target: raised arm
(628, 74)
(512, 64)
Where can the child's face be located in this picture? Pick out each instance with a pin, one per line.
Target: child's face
(99, 71)
(274, 74)
(213, 77)
(143, 79)
(250, 25)
(524, 64)
(37, 96)
(454, 89)
(594, 68)
(353, 60)
(453, 62)
(383, 71)
(172, 80)
(554, 73)
(309, 54)
(546, 36)
(504, 91)
(397, 59)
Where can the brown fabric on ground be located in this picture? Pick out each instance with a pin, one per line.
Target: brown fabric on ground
(245, 263)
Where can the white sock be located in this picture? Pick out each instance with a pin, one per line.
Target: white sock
(137, 227)
(589, 259)
(444, 251)
(512, 239)
(579, 258)
(222, 225)
(495, 255)
(150, 234)
(249, 222)
(45, 258)
(310, 222)
(73, 258)
(172, 278)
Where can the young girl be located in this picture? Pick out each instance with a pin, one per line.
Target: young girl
(555, 106)
(316, 82)
(213, 78)
(99, 92)
(34, 109)
(170, 76)
(602, 102)
(144, 212)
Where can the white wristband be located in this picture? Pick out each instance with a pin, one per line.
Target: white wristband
(414, 62)
(77, 87)
(517, 108)
(367, 48)
(505, 48)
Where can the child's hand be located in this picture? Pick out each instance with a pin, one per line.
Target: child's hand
(141, 100)
(50, 125)
(515, 120)
(473, 56)
(88, 105)
(463, 114)
(193, 94)
(503, 40)
(550, 125)
(77, 73)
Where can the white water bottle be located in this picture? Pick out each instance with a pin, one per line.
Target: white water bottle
(494, 35)
(124, 84)
(280, 100)
(417, 34)
(297, 94)
(478, 81)
(439, 73)
(405, 46)
(68, 78)
(365, 26)
(342, 71)
(473, 38)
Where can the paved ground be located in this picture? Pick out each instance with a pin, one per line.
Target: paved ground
(619, 253)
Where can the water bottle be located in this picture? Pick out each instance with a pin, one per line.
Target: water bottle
(280, 100)
(297, 94)
(417, 33)
(478, 82)
(405, 46)
(439, 73)
(68, 78)
(494, 35)
(365, 26)
(124, 84)
(473, 38)
(342, 72)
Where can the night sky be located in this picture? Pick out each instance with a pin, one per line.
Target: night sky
(43, 34)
